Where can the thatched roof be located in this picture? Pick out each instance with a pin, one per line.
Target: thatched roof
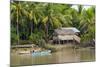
(66, 31)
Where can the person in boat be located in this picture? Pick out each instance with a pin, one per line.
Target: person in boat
(33, 51)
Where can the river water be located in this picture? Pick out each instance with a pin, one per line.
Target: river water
(66, 55)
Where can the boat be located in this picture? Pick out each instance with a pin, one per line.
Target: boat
(24, 52)
(41, 53)
(36, 53)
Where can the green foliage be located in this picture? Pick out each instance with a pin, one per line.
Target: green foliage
(14, 36)
(41, 43)
(35, 22)
(37, 37)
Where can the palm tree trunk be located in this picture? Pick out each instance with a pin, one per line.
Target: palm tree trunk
(31, 27)
(17, 28)
(46, 31)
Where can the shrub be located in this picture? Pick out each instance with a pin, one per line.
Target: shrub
(37, 38)
(41, 43)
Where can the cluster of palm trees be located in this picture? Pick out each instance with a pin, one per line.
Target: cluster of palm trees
(33, 21)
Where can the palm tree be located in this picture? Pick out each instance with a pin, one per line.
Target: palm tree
(66, 16)
(89, 17)
(33, 15)
(50, 18)
(15, 11)
(16, 14)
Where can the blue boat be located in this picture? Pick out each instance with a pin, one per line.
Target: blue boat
(41, 53)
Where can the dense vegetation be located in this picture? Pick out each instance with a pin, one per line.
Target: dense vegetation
(33, 22)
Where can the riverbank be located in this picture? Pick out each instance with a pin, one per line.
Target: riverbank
(53, 47)
(58, 47)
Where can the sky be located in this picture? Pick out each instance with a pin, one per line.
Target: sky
(85, 6)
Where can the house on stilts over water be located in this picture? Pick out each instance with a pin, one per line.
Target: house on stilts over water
(66, 35)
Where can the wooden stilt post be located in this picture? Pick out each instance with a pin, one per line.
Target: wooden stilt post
(59, 41)
(62, 41)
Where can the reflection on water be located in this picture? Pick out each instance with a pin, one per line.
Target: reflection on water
(87, 55)
(65, 55)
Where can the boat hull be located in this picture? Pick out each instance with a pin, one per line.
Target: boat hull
(41, 53)
(24, 52)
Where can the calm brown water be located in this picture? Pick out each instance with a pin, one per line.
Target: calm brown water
(64, 56)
